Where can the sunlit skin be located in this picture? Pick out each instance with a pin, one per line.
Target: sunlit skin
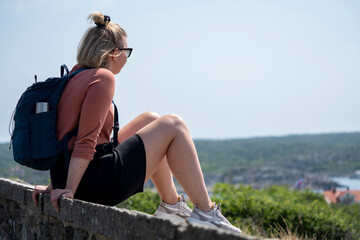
(169, 151)
(116, 60)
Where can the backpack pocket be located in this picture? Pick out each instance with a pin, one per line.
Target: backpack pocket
(43, 137)
(21, 143)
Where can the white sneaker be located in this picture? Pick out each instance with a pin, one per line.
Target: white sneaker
(212, 218)
(178, 211)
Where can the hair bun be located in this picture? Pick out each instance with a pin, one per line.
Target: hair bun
(99, 19)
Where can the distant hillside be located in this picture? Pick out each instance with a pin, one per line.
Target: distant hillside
(272, 159)
(281, 160)
(327, 153)
(10, 168)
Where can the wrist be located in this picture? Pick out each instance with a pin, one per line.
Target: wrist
(72, 188)
(49, 188)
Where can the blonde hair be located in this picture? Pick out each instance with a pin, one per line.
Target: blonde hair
(99, 41)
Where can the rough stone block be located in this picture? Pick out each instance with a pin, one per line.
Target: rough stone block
(28, 201)
(85, 215)
(65, 213)
(13, 190)
(47, 207)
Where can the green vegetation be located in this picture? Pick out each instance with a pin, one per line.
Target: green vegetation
(332, 154)
(305, 213)
(146, 201)
(271, 211)
(6, 159)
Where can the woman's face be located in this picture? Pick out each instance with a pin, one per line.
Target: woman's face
(117, 59)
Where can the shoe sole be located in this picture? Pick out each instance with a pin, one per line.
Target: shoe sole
(169, 217)
(201, 223)
(208, 224)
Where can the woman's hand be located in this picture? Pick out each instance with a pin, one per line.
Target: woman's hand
(40, 189)
(57, 193)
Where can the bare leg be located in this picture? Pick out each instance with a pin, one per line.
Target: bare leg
(170, 136)
(162, 177)
(164, 183)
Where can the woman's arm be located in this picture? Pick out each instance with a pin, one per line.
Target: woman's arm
(77, 169)
(93, 114)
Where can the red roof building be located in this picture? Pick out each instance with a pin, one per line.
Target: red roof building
(345, 196)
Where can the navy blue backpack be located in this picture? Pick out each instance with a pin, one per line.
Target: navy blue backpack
(34, 137)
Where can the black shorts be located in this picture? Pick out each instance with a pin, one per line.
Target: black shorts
(110, 179)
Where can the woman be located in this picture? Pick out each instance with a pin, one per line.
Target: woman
(150, 146)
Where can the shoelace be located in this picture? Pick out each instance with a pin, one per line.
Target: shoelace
(217, 210)
(183, 202)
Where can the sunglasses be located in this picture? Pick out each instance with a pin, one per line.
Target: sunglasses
(128, 51)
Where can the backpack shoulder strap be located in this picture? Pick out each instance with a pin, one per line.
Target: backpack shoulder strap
(116, 126)
(76, 72)
(62, 68)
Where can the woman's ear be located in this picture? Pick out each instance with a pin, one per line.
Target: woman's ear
(115, 53)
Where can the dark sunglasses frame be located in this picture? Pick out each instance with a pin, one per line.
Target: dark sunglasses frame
(128, 51)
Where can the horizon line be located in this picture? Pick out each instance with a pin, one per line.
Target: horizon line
(262, 136)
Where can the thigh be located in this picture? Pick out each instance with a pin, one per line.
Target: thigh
(157, 136)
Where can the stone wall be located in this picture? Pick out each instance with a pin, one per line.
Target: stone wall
(21, 219)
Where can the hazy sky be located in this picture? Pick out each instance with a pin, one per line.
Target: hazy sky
(231, 69)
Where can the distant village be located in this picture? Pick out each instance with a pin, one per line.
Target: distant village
(343, 196)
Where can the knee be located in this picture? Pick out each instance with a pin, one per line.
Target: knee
(175, 120)
(150, 116)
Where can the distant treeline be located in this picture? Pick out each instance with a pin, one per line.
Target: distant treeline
(335, 154)
(323, 153)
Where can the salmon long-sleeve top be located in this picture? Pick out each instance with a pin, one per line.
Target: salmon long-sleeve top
(87, 102)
